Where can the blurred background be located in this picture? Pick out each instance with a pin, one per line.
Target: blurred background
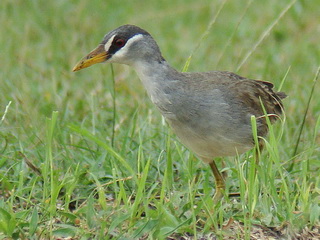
(41, 41)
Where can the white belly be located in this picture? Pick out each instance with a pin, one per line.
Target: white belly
(210, 146)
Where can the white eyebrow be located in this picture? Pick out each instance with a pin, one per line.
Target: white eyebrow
(108, 44)
(123, 51)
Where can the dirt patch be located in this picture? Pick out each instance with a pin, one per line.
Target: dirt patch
(236, 230)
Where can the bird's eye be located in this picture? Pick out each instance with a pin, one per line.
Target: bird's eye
(120, 42)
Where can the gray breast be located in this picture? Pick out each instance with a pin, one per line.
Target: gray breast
(207, 115)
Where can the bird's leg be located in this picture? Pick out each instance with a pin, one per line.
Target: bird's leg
(220, 184)
(224, 173)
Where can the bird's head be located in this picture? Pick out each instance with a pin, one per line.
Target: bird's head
(126, 44)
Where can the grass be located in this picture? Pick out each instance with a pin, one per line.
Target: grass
(86, 155)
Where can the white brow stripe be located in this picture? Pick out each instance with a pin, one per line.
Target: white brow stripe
(123, 50)
(108, 44)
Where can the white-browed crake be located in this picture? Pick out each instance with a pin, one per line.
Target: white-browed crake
(210, 112)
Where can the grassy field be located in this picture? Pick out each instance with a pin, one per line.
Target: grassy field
(87, 156)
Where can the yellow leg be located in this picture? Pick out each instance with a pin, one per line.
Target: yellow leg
(220, 184)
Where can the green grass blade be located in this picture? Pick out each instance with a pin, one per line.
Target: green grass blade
(266, 33)
(304, 117)
(104, 145)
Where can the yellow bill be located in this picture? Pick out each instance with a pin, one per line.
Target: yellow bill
(97, 55)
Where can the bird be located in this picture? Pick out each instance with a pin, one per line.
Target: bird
(210, 112)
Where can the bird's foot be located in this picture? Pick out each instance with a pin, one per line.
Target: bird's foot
(218, 195)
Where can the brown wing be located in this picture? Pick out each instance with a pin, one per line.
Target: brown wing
(254, 94)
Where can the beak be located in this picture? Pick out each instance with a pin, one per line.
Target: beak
(97, 55)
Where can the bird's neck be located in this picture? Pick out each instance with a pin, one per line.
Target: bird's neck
(155, 74)
(158, 77)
